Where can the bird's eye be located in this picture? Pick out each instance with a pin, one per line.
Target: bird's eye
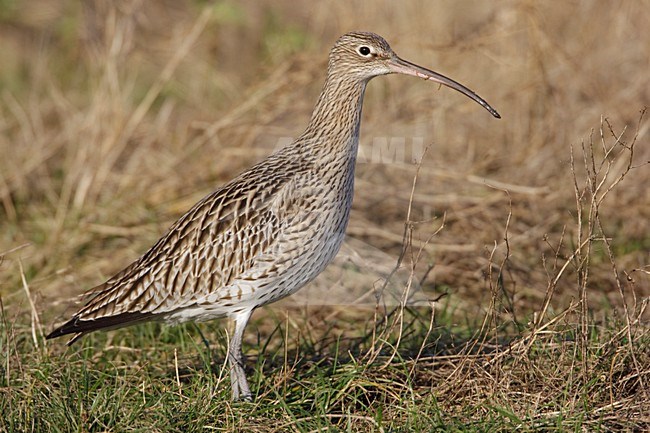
(364, 51)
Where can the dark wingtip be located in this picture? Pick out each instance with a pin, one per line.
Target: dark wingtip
(80, 327)
(54, 334)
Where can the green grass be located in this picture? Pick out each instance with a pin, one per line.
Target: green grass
(155, 378)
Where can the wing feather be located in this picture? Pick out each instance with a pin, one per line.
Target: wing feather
(217, 240)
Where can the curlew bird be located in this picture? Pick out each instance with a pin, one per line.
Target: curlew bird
(266, 233)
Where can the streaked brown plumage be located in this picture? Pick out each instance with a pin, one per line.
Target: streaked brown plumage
(266, 233)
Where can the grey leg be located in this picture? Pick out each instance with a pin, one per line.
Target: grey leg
(240, 389)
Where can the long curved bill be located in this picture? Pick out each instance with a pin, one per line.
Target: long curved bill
(400, 66)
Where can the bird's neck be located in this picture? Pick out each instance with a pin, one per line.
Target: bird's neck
(334, 125)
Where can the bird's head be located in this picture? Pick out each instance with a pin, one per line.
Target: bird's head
(363, 55)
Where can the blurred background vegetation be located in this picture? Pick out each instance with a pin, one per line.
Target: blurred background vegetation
(111, 127)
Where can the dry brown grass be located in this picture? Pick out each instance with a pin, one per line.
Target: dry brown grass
(116, 119)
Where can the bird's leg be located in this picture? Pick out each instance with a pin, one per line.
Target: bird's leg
(240, 389)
